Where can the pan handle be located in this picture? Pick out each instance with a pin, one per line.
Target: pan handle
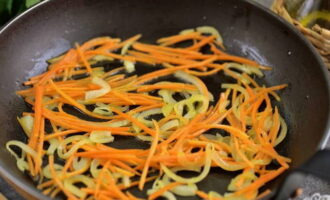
(318, 165)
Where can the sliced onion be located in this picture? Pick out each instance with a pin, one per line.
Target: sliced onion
(167, 109)
(283, 132)
(201, 176)
(81, 141)
(169, 125)
(129, 66)
(167, 96)
(141, 117)
(101, 137)
(118, 123)
(146, 138)
(27, 124)
(58, 170)
(97, 71)
(191, 79)
(236, 87)
(187, 31)
(247, 176)
(103, 109)
(69, 184)
(94, 168)
(245, 68)
(25, 149)
(224, 165)
(80, 163)
(210, 30)
(53, 145)
(190, 105)
(126, 181)
(185, 190)
(105, 88)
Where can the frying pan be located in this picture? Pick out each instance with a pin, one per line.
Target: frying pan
(249, 30)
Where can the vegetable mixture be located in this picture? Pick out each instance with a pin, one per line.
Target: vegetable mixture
(92, 96)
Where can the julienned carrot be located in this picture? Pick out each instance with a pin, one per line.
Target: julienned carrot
(171, 86)
(166, 49)
(205, 196)
(57, 181)
(37, 115)
(202, 43)
(178, 38)
(168, 71)
(151, 153)
(135, 121)
(248, 130)
(82, 57)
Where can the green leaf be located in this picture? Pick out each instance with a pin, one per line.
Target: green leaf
(9, 6)
(4, 12)
(29, 3)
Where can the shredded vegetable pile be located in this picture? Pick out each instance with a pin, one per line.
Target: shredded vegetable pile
(91, 96)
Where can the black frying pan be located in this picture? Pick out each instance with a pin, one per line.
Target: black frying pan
(248, 30)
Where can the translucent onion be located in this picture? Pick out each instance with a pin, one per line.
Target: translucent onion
(202, 105)
(80, 163)
(237, 75)
(25, 149)
(97, 71)
(58, 170)
(126, 181)
(81, 141)
(101, 137)
(118, 123)
(185, 190)
(191, 79)
(210, 30)
(27, 124)
(167, 96)
(143, 115)
(69, 184)
(103, 109)
(168, 195)
(129, 66)
(100, 58)
(283, 132)
(94, 168)
(22, 165)
(105, 88)
(224, 165)
(187, 31)
(146, 138)
(236, 87)
(169, 125)
(203, 174)
(53, 145)
(245, 68)
(167, 109)
(247, 176)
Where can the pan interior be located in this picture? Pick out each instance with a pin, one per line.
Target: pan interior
(249, 31)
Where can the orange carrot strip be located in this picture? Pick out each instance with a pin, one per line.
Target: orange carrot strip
(152, 151)
(167, 71)
(163, 189)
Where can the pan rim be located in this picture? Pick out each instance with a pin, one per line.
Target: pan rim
(35, 193)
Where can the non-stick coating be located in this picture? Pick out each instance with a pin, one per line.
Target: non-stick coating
(52, 27)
